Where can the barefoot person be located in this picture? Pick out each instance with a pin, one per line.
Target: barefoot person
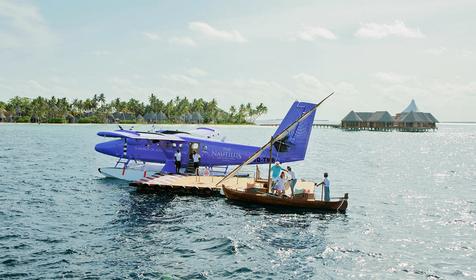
(279, 187)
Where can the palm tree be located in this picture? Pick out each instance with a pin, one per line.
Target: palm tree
(102, 99)
(169, 110)
(135, 107)
(155, 105)
(43, 108)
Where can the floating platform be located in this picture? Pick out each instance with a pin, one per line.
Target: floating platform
(206, 185)
(183, 184)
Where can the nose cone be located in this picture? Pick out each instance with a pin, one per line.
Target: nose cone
(112, 148)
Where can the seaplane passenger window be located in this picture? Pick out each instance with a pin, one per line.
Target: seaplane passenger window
(195, 146)
(204, 148)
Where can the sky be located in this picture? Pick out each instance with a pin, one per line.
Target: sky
(376, 55)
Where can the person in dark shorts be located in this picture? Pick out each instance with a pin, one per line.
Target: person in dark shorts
(178, 160)
(196, 160)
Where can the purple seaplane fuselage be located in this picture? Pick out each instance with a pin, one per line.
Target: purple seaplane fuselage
(160, 146)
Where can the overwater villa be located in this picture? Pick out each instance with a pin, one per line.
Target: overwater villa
(410, 119)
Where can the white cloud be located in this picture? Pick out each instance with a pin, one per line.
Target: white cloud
(390, 77)
(197, 72)
(23, 26)
(183, 41)
(313, 33)
(378, 31)
(151, 36)
(465, 53)
(211, 32)
(180, 79)
(46, 87)
(307, 80)
(436, 51)
(36, 85)
(441, 98)
(309, 86)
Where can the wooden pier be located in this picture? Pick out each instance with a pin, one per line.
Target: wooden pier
(206, 185)
(323, 125)
(326, 125)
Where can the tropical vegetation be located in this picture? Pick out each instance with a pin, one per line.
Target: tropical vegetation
(98, 110)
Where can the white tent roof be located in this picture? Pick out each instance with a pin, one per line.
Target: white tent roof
(412, 107)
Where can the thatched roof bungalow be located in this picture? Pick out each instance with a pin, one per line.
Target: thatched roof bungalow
(70, 118)
(408, 120)
(352, 121)
(381, 120)
(140, 119)
(3, 118)
(196, 117)
(150, 117)
(416, 120)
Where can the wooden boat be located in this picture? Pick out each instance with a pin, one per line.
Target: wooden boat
(265, 198)
(257, 191)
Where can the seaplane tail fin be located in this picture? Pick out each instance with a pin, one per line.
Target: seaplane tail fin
(293, 147)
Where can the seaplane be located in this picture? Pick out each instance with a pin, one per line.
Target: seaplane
(144, 153)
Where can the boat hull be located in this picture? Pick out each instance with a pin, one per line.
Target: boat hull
(264, 198)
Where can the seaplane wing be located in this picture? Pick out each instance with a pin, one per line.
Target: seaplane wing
(140, 135)
(205, 132)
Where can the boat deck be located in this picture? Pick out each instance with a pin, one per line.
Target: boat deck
(206, 185)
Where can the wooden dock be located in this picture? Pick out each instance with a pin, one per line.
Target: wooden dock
(206, 185)
(322, 125)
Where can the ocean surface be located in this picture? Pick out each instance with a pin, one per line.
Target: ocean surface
(411, 215)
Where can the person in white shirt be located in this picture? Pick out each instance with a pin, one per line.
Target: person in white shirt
(178, 160)
(196, 160)
(292, 179)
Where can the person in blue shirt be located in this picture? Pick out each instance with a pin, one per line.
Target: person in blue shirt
(327, 185)
(276, 171)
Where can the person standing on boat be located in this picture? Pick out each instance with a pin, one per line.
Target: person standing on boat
(292, 179)
(276, 171)
(178, 160)
(327, 185)
(279, 187)
(196, 160)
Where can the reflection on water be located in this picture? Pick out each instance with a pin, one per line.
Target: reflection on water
(411, 212)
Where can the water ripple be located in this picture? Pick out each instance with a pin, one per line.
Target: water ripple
(412, 213)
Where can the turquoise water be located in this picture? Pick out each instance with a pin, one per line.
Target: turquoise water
(411, 215)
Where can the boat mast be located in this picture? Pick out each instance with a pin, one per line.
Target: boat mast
(270, 143)
(269, 164)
